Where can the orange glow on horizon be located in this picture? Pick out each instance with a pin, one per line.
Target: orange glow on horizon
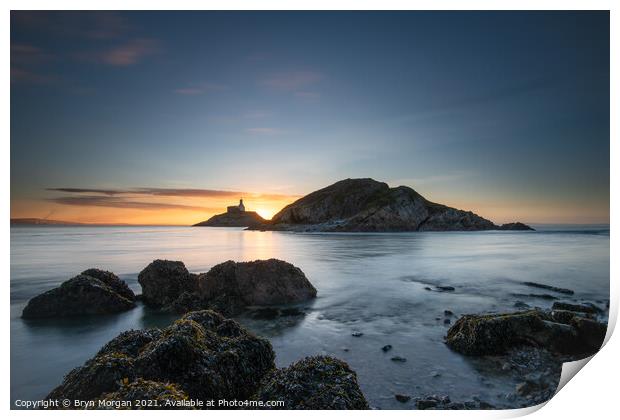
(185, 211)
(157, 210)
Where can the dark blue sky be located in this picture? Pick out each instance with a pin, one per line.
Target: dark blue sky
(506, 114)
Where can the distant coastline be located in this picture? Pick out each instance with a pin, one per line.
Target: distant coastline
(35, 222)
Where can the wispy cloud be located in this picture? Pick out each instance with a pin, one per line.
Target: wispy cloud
(101, 25)
(292, 80)
(129, 53)
(88, 190)
(200, 89)
(118, 202)
(169, 192)
(26, 61)
(19, 75)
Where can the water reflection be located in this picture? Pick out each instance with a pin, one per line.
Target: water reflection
(376, 284)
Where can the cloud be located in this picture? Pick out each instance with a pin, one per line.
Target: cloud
(129, 53)
(19, 75)
(292, 80)
(118, 202)
(168, 192)
(88, 190)
(26, 61)
(98, 25)
(187, 192)
(200, 89)
(26, 54)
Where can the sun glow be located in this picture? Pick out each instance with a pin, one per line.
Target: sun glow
(266, 213)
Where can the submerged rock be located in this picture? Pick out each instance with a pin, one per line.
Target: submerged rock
(402, 398)
(547, 287)
(260, 282)
(521, 305)
(436, 402)
(314, 383)
(266, 313)
(206, 355)
(82, 295)
(496, 333)
(164, 281)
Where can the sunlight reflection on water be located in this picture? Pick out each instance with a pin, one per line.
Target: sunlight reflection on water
(372, 283)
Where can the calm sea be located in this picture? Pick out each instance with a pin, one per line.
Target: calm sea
(371, 283)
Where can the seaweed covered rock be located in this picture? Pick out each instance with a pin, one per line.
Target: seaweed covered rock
(101, 374)
(587, 308)
(129, 343)
(150, 395)
(206, 355)
(112, 280)
(314, 383)
(591, 333)
(164, 281)
(81, 295)
(260, 282)
(494, 334)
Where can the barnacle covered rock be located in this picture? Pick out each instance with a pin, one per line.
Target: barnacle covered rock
(314, 383)
(206, 355)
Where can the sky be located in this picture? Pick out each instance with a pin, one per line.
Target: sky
(168, 117)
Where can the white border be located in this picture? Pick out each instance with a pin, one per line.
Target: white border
(592, 394)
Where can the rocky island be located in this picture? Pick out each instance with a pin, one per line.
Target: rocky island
(366, 205)
(235, 216)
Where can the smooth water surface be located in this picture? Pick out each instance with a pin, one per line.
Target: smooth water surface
(370, 283)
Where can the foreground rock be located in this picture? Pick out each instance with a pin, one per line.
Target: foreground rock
(143, 395)
(481, 335)
(93, 292)
(164, 281)
(314, 383)
(260, 282)
(234, 219)
(227, 288)
(203, 354)
(112, 281)
(365, 205)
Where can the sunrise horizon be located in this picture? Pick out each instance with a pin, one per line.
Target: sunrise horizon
(187, 206)
(274, 111)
